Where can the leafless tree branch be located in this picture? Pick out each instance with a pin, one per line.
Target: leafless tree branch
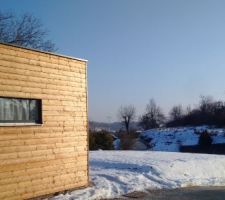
(26, 31)
(127, 115)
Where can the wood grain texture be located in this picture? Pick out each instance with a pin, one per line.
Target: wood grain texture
(39, 160)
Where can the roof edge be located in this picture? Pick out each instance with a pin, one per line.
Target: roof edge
(46, 52)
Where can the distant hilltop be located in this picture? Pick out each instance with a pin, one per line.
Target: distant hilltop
(111, 127)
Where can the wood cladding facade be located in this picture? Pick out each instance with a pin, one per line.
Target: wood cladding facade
(52, 157)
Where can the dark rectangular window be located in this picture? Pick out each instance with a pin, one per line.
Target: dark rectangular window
(18, 110)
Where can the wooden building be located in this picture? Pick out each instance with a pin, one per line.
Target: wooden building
(43, 123)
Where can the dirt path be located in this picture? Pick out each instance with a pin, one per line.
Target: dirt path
(191, 193)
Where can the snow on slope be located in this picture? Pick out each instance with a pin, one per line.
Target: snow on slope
(114, 173)
(169, 139)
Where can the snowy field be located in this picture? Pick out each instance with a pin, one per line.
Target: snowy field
(114, 173)
(170, 139)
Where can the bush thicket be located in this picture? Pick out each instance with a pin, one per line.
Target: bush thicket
(205, 140)
(127, 140)
(100, 140)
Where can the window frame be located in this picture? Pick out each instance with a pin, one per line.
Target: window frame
(24, 122)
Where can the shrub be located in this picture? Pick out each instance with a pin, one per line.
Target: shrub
(100, 140)
(127, 140)
(205, 140)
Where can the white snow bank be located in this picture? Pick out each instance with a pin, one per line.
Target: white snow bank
(118, 172)
(170, 139)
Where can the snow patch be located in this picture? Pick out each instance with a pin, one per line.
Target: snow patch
(114, 173)
(170, 139)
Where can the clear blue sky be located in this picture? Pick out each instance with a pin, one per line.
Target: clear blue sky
(172, 51)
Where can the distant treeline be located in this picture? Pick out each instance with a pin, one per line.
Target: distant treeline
(208, 112)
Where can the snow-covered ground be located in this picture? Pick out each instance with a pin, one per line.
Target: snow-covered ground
(114, 173)
(170, 139)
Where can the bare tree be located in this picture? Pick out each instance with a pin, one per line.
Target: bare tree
(153, 118)
(188, 110)
(176, 112)
(26, 31)
(127, 115)
(206, 103)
